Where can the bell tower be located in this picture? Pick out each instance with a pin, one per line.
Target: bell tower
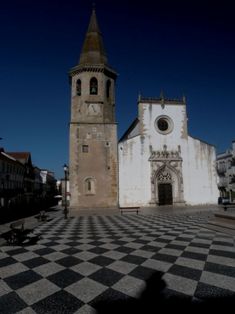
(93, 128)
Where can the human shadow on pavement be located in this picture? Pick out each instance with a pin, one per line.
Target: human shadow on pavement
(156, 297)
(19, 238)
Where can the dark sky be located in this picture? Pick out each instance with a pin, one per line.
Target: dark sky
(179, 47)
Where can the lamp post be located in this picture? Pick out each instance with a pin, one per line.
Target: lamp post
(65, 191)
(2, 187)
(2, 203)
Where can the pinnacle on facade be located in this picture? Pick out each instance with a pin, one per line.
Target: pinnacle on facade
(93, 51)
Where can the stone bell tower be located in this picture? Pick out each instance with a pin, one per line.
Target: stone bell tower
(93, 128)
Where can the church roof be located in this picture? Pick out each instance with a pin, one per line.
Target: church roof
(132, 131)
(93, 51)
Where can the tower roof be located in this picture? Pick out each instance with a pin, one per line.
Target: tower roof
(93, 51)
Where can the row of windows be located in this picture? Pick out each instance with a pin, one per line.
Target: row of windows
(9, 168)
(93, 87)
(11, 185)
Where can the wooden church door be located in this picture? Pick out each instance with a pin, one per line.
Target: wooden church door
(165, 194)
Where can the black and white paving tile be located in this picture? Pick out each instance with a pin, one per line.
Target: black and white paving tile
(85, 261)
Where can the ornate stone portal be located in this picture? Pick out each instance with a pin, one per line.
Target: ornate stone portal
(166, 177)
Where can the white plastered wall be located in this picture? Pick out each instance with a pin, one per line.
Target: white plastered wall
(198, 166)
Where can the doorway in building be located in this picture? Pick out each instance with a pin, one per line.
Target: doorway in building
(165, 194)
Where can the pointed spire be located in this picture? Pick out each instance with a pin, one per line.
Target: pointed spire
(93, 51)
(93, 25)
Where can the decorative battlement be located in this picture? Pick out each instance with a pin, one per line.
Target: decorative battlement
(163, 155)
(162, 100)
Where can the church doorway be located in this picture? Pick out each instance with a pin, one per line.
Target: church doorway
(165, 194)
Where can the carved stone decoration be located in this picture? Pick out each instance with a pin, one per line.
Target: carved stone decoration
(172, 155)
(166, 168)
(164, 177)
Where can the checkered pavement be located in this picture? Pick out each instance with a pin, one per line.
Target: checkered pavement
(84, 260)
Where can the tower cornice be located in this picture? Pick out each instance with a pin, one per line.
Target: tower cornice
(93, 68)
(92, 123)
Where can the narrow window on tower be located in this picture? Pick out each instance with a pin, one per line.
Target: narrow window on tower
(89, 186)
(78, 87)
(85, 148)
(93, 86)
(108, 86)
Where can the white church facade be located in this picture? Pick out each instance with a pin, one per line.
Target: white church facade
(160, 163)
(156, 162)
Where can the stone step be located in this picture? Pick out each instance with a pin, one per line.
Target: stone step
(231, 232)
(222, 223)
(226, 215)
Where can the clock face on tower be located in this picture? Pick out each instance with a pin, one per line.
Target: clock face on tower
(94, 109)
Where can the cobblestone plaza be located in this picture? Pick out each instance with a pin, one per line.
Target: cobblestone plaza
(89, 260)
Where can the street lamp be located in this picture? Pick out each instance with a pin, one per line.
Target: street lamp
(65, 191)
(2, 199)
